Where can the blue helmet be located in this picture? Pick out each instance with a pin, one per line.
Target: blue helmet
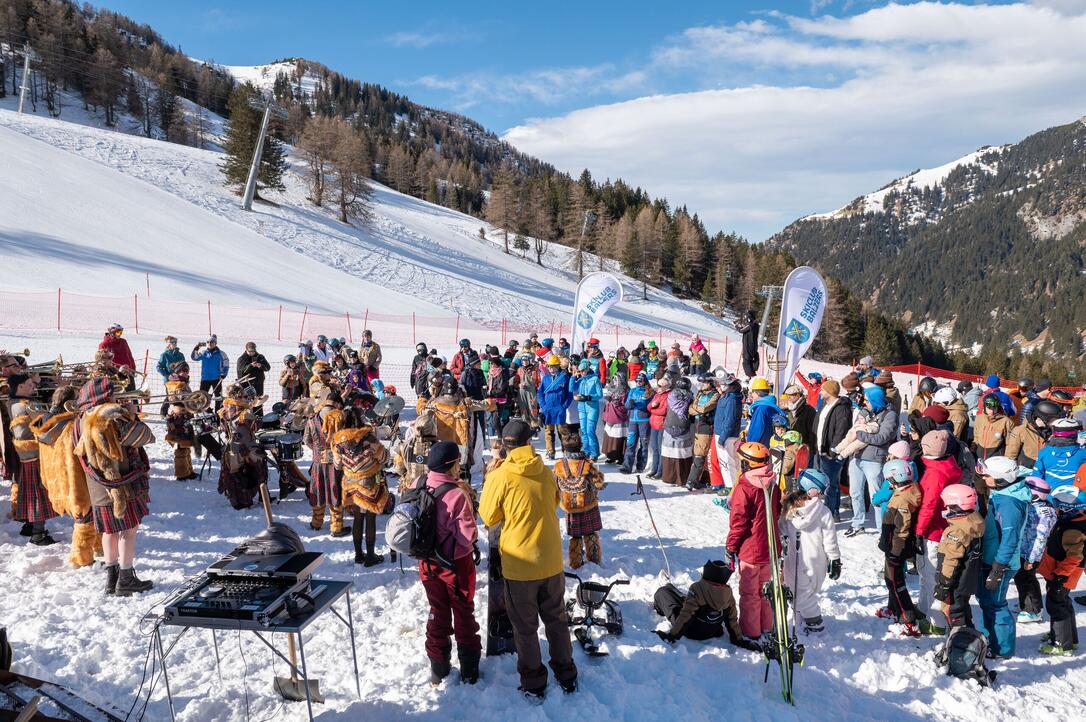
(548, 342)
(813, 480)
(781, 420)
(815, 376)
(1068, 498)
(899, 472)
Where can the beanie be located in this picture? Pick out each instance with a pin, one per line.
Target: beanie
(992, 381)
(934, 443)
(899, 450)
(885, 379)
(937, 413)
(442, 456)
(850, 382)
(831, 387)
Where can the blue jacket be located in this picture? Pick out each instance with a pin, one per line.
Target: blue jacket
(762, 412)
(167, 359)
(1031, 399)
(214, 365)
(637, 404)
(1004, 526)
(554, 397)
(729, 413)
(1057, 464)
(588, 386)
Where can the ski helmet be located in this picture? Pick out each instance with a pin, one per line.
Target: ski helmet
(944, 395)
(1068, 499)
(1061, 397)
(754, 454)
(928, 385)
(464, 343)
(1038, 486)
(1002, 469)
(899, 472)
(584, 365)
(815, 377)
(683, 384)
(1080, 477)
(781, 420)
(1044, 412)
(641, 376)
(958, 500)
(991, 401)
(553, 360)
(792, 437)
(965, 386)
(813, 480)
(289, 359)
(1025, 383)
(1065, 428)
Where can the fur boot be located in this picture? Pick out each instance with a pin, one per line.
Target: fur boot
(592, 548)
(84, 539)
(316, 521)
(576, 552)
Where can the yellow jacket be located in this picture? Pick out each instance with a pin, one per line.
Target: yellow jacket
(522, 496)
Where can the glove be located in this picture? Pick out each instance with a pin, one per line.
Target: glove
(731, 559)
(744, 643)
(1027, 564)
(666, 636)
(942, 589)
(835, 569)
(995, 577)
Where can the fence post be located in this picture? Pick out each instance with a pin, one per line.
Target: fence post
(136, 311)
(301, 331)
(58, 310)
(456, 333)
(148, 277)
(366, 320)
(146, 359)
(209, 318)
(279, 330)
(660, 339)
(504, 329)
(725, 352)
(616, 334)
(350, 336)
(414, 337)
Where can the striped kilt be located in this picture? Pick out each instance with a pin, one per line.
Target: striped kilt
(137, 508)
(32, 502)
(583, 523)
(240, 487)
(324, 486)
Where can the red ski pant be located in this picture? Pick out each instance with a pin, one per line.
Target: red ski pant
(451, 593)
(755, 612)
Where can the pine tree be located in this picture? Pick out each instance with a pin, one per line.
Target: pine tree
(240, 141)
(179, 131)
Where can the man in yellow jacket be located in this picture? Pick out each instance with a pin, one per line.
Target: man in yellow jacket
(522, 496)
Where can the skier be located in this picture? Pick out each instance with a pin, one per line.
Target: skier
(810, 544)
(702, 412)
(1061, 568)
(554, 398)
(940, 471)
(898, 543)
(707, 611)
(1006, 518)
(637, 438)
(1061, 457)
(579, 483)
(1040, 518)
(959, 554)
(588, 393)
(747, 544)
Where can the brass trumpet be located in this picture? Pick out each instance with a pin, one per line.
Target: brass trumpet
(194, 401)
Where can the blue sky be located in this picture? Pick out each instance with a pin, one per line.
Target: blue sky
(752, 113)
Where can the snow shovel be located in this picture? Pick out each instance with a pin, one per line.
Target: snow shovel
(290, 688)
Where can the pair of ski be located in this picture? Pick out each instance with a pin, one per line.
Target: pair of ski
(780, 645)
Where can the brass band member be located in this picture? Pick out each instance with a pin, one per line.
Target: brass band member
(32, 503)
(324, 488)
(178, 431)
(244, 467)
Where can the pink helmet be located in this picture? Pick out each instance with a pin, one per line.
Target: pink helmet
(961, 496)
(900, 450)
(1038, 486)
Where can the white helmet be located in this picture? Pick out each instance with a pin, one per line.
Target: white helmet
(1002, 468)
(945, 395)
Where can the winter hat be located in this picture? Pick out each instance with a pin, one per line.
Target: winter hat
(945, 395)
(876, 397)
(213, 338)
(885, 379)
(793, 391)
(934, 444)
(992, 381)
(937, 413)
(850, 382)
(516, 433)
(442, 456)
(831, 387)
(867, 361)
(716, 572)
(1038, 486)
(900, 450)
(664, 383)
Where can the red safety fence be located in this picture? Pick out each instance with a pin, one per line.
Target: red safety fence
(920, 371)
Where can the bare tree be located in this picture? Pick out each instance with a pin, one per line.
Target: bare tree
(319, 143)
(351, 168)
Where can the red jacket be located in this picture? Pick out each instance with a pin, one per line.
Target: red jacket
(747, 532)
(122, 355)
(658, 410)
(813, 390)
(938, 475)
(634, 370)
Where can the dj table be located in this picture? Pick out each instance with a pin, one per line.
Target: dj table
(324, 593)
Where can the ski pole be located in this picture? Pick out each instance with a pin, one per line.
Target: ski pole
(640, 489)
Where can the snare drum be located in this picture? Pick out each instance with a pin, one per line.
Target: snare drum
(269, 438)
(290, 447)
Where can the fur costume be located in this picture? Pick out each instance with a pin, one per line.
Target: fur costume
(359, 455)
(324, 485)
(106, 434)
(66, 482)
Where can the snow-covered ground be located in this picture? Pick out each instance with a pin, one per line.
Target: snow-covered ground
(64, 628)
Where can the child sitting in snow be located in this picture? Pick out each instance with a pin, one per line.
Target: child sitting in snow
(810, 544)
(707, 610)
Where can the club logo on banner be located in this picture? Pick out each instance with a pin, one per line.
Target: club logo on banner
(802, 306)
(596, 294)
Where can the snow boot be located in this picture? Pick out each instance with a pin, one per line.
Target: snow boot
(373, 560)
(592, 549)
(576, 552)
(534, 696)
(469, 664)
(1029, 617)
(1055, 650)
(569, 686)
(27, 529)
(626, 470)
(439, 670)
(929, 628)
(42, 539)
(359, 557)
(910, 630)
(112, 572)
(316, 520)
(128, 583)
(853, 531)
(814, 625)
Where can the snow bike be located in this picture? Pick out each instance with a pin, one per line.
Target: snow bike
(780, 645)
(590, 597)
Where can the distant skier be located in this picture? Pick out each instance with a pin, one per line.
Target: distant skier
(749, 329)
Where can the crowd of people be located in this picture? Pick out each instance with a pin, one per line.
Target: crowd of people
(968, 486)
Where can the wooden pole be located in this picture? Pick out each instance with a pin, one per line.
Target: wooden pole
(350, 336)
(279, 329)
(209, 318)
(136, 311)
(58, 310)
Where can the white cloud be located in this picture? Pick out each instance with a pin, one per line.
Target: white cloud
(919, 85)
(546, 86)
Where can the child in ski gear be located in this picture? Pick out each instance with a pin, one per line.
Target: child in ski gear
(580, 482)
(786, 447)
(451, 592)
(1001, 551)
(897, 450)
(940, 471)
(554, 397)
(1061, 457)
(898, 543)
(637, 439)
(1040, 518)
(1061, 567)
(707, 611)
(958, 558)
(748, 536)
(810, 546)
(763, 409)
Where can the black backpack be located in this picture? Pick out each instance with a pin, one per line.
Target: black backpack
(963, 655)
(412, 528)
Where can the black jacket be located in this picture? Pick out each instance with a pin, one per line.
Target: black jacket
(472, 383)
(837, 423)
(246, 367)
(805, 420)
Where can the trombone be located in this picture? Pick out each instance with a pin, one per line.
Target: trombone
(195, 402)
